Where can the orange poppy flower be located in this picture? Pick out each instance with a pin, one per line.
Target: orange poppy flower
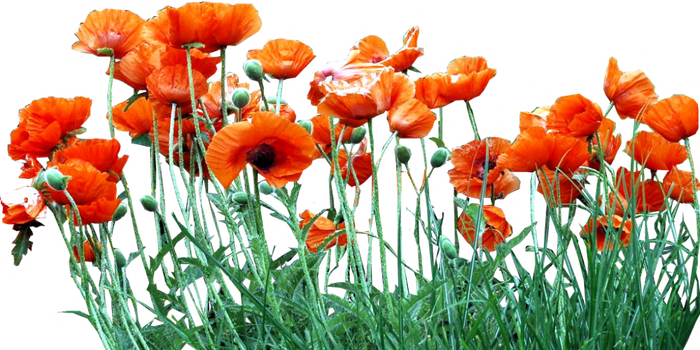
(320, 231)
(31, 168)
(574, 115)
(235, 23)
(630, 91)
(282, 58)
(137, 120)
(558, 189)
(609, 144)
(602, 230)
(468, 78)
(212, 99)
(530, 151)
(361, 166)
(411, 119)
(538, 117)
(277, 148)
(679, 185)
(102, 154)
(22, 205)
(171, 85)
(654, 152)
(675, 118)
(497, 228)
(429, 90)
(88, 252)
(372, 49)
(568, 153)
(44, 122)
(191, 23)
(375, 93)
(648, 195)
(470, 161)
(321, 132)
(95, 196)
(119, 30)
(318, 88)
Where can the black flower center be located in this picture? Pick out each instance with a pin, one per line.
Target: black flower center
(262, 156)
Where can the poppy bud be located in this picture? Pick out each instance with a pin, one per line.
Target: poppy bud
(240, 197)
(253, 69)
(149, 203)
(439, 157)
(447, 247)
(358, 135)
(119, 258)
(120, 212)
(269, 108)
(56, 180)
(403, 154)
(241, 97)
(265, 188)
(306, 124)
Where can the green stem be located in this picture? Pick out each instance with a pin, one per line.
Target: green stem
(377, 214)
(472, 120)
(696, 209)
(224, 107)
(279, 96)
(109, 96)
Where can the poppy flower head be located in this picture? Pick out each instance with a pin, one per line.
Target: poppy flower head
(411, 119)
(282, 58)
(372, 49)
(568, 153)
(212, 99)
(468, 77)
(361, 167)
(102, 154)
(321, 132)
(470, 163)
(319, 87)
(171, 85)
(118, 30)
(31, 168)
(557, 188)
(429, 90)
(603, 229)
(497, 229)
(235, 23)
(574, 115)
(22, 205)
(654, 152)
(675, 118)
(679, 185)
(607, 142)
(538, 117)
(531, 150)
(629, 91)
(88, 252)
(191, 23)
(320, 231)
(646, 196)
(136, 120)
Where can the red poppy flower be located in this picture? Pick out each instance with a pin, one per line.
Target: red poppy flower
(361, 166)
(372, 49)
(155, 30)
(102, 154)
(321, 132)
(603, 230)
(497, 228)
(675, 118)
(88, 252)
(277, 148)
(119, 30)
(557, 188)
(468, 78)
(191, 23)
(31, 168)
(137, 120)
(538, 117)
(648, 195)
(470, 162)
(282, 58)
(171, 85)
(630, 91)
(95, 196)
(609, 144)
(654, 152)
(679, 185)
(574, 115)
(429, 90)
(531, 150)
(235, 23)
(568, 153)
(411, 119)
(22, 205)
(320, 231)
(44, 122)
(212, 99)
(348, 73)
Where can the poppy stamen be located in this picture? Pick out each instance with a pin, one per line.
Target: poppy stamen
(262, 156)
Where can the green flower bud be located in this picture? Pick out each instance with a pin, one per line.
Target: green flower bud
(447, 247)
(119, 258)
(56, 180)
(439, 158)
(240, 197)
(253, 69)
(120, 212)
(270, 107)
(358, 135)
(306, 124)
(149, 203)
(403, 154)
(265, 188)
(241, 97)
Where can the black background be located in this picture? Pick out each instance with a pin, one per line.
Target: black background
(564, 29)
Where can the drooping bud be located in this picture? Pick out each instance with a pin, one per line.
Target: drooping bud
(447, 247)
(240, 97)
(149, 203)
(403, 154)
(240, 197)
(119, 258)
(306, 124)
(56, 180)
(253, 69)
(265, 188)
(120, 212)
(439, 158)
(358, 135)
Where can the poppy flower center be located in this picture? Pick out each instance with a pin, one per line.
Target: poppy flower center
(262, 156)
(480, 173)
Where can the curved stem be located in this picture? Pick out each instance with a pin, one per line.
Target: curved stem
(472, 120)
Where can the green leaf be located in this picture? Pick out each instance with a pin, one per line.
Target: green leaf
(437, 141)
(285, 258)
(134, 255)
(414, 69)
(367, 10)
(133, 99)
(142, 140)
(22, 243)
(122, 196)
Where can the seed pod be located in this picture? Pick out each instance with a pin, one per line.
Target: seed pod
(119, 258)
(253, 69)
(306, 124)
(358, 135)
(56, 180)
(439, 158)
(265, 188)
(120, 212)
(240, 97)
(447, 247)
(403, 154)
(240, 197)
(149, 203)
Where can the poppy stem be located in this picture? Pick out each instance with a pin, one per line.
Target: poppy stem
(399, 245)
(224, 107)
(440, 124)
(109, 96)
(472, 120)
(279, 95)
(612, 103)
(262, 94)
(696, 205)
(376, 213)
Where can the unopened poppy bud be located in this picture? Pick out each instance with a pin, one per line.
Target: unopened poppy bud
(439, 158)
(240, 197)
(447, 248)
(270, 107)
(253, 69)
(241, 97)
(119, 258)
(358, 135)
(403, 154)
(149, 203)
(120, 212)
(265, 188)
(306, 124)
(56, 180)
